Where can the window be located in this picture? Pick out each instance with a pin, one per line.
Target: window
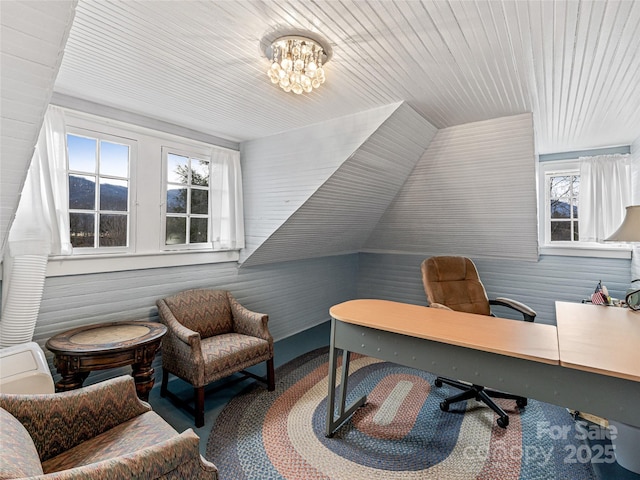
(562, 191)
(99, 191)
(139, 198)
(560, 211)
(187, 212)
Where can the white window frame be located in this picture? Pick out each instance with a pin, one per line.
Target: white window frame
(131, 211)
(191, 153)
(146, 197)
(568, 248)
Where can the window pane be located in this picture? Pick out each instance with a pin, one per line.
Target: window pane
(114, 194)
(177, 200)
(81, 226)
(576, 236)
(560, 186)
(176, 231)
(198, 230)
(560, 209)
(576, 185)
(177, 169)
(199, 172)
(199, 201)
(560, 231)
(82, 153)
(574, 201)
(114, 159)
(82, 192)
(113, 231)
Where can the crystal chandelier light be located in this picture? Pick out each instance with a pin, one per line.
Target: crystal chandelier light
(297, 64)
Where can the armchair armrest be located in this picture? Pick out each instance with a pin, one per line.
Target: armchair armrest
(175, 328)
(248, 322)
(76, 415)
(527, 312)
(178, 457)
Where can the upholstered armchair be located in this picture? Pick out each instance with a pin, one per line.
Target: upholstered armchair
(211, 336)
(100, 431)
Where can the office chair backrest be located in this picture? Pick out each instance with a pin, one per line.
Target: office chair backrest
(454, 282)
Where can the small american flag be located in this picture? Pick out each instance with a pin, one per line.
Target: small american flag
(599, 297)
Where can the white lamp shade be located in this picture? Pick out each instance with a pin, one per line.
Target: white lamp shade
(629, 231)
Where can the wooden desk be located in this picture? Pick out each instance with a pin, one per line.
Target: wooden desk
(82, 350)
(519, 357)
(599, 339)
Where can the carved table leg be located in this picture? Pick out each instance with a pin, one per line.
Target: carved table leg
(143, 375)
(68, 367)
(142, 371)
(71, 381)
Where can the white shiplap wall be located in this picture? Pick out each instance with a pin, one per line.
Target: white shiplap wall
(635, 168)
(340, 215)
(295, 295)
(537, 284)
(473, 192)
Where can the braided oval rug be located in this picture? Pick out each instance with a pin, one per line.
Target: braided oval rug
(400, 433)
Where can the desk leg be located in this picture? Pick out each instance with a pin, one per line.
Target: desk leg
(332, 422)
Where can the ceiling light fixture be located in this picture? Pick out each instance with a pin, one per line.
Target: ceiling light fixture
(297, 63)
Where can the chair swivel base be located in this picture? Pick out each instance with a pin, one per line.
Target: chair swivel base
(480, 394)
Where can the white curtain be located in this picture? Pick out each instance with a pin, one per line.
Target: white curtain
(605, 192)
(227, 208)
(40, 228)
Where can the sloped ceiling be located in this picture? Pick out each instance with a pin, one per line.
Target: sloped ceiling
(341, 213)
(199, 64)
(32, 39)
(472, 193)
(574, 64)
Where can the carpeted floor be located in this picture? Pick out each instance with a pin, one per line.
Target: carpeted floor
(399, 434)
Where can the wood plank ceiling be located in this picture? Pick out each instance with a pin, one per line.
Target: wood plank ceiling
(199, 64)
(574, 64)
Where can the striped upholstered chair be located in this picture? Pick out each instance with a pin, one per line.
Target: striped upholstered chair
(211, 336)
(99, 431)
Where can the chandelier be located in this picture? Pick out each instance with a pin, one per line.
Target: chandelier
(297, 64)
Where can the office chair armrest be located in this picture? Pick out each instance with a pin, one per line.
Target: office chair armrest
(527, 312)
(439, 305)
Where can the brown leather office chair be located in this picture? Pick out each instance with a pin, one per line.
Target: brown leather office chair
(453, 283)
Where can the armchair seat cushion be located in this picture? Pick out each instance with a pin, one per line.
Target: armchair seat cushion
(143, 431)
(227, 353)
(20, 457)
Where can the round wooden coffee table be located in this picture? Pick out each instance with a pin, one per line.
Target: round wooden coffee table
(84, 349)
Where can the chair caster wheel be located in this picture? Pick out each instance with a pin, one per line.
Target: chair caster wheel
(521, 402)
(444, 406)
(503, 422)
(438, 383)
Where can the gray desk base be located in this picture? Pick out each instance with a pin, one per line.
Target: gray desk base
(610, 397)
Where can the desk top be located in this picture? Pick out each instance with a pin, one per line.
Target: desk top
(599, 339)
(531, 341)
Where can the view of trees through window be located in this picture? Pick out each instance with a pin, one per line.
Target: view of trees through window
(563, 203)
(98, 176)
(187, 212)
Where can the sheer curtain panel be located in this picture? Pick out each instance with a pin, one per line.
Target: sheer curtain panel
(605, 191)
(226, 203)
(40, 228)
